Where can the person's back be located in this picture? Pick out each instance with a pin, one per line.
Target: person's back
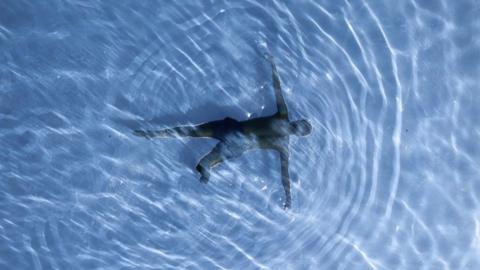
(270, 126)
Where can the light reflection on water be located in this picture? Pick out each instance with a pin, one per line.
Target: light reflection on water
(389, 178)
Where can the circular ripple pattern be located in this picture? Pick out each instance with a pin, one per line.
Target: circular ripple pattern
(388, 179)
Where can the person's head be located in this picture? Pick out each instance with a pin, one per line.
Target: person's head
(300, 127)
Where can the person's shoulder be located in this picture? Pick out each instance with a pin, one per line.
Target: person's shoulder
(281, 115)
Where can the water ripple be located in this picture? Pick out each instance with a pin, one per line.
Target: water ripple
(389, 178)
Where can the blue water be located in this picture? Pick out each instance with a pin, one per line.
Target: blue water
(389, 178)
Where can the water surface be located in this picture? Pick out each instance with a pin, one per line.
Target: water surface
(389, 178)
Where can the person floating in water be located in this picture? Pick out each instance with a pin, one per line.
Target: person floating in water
(236, 137)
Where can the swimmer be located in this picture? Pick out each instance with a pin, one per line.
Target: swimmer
(236, 137)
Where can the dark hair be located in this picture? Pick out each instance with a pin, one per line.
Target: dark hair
(300, 127)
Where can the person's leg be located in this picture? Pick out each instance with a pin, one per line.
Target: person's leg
(214, 129)
(221, 152)
(182, 131)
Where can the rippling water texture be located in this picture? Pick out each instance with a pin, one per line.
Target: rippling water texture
(389, 178)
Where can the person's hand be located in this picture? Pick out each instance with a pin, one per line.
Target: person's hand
(268, 57)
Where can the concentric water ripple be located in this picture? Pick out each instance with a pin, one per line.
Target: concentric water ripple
(389, 179)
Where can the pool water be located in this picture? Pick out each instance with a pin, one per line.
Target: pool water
(388, 179)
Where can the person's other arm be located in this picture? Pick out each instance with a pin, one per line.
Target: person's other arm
(282, 109)
(284, 156)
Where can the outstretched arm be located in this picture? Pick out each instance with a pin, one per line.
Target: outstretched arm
(284, 156)
(285, 178)
(281, 146)
(281, 104)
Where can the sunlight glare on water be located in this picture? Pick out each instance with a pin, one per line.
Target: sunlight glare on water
(388, 179)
